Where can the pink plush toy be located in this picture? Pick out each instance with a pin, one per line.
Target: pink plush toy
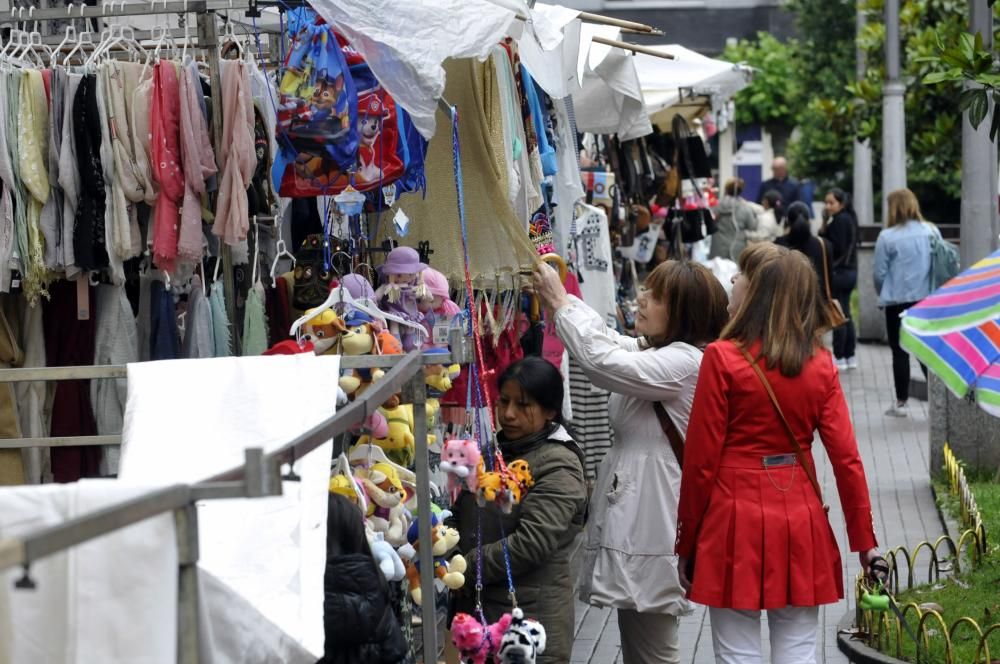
(476, 643)
(459, 458)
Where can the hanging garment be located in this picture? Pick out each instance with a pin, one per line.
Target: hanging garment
(521, 191)
(116, 342)
(49, 221)
(32, 408)
(11, 466)
(255, 322)
(139, 109)
(199, 163)
(164, 340)
(239, 159)
(164, 120)
(144, 313)
(221, 335)
(279, 320)
(116, 223)
(33, 120)
(597, 281)
(18, 192)
(89, 243)
(69, 175)
(70, 342)
(54, 210)
(199, 332)
(8, 231)
(568, 183)
(128, 189)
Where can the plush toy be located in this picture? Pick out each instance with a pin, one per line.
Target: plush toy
(449, 572)
(386, 497)
(386, 557)
(460, 458)
(505, 488)
(323, 330)
(523, 641)
(398, 442)
(346, 487)
(401, 290)
(476, 643)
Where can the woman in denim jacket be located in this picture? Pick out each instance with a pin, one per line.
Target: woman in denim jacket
(902, 278)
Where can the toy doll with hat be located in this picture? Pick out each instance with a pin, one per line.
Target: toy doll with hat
(402, 288)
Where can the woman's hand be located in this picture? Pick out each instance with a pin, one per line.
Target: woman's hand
(682, 566)
(867, 557)
(548, 287)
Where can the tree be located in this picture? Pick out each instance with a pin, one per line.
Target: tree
(773, 97)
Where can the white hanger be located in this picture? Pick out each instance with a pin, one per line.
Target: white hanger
(70, 30)
(369, 454)
(281, 252)
(85, 37)
(343, 296)
(343, 467)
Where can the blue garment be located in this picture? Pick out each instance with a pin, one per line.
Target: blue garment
(164, 343)
(903, 263)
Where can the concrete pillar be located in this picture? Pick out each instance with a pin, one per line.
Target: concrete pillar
(893, 114)
(979, 165)
(863, 192)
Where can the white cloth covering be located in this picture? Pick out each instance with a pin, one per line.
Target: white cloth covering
(269, 551)
(406, 42)
(112, 599)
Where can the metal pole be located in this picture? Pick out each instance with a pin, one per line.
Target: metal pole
(893, 112)
(417, 393)
(186, 523)
(979, 164)
(863, 193)
(208, 40)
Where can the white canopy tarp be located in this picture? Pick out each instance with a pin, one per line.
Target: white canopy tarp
(406, 41)
(663, 80)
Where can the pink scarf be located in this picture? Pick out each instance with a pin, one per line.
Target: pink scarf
(199, 163)
(164, 147)
(239, 156)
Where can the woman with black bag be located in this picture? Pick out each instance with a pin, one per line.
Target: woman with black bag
(842, 232)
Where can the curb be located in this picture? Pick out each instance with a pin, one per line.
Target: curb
(950, 525)
(856, 651)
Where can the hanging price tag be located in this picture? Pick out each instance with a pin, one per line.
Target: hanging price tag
(83, 298)
(401, 223)
(389, 194)
(441, 333)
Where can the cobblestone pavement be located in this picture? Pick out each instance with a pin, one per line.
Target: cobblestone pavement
(895, 453)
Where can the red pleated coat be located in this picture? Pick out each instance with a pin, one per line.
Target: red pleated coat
(760, 537)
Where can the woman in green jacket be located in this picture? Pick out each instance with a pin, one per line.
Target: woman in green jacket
(541, 530)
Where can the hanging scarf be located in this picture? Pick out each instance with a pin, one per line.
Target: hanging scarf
(8, 236)
(255, 323)
(89, 243)
(199, 163)
(239, 157)
(128, 184)
(220, 321)
(54, 251)
(33, 148)
(164, 120)
(199, 331)
(117, 234)
(69, 176)
(139, 112)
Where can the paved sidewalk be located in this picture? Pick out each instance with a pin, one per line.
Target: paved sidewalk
(895, 453)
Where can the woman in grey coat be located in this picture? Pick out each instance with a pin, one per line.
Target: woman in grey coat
(734, 219)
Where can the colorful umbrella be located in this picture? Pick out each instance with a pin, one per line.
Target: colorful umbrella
(956, 333)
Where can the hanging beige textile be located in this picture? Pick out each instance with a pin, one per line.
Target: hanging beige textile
(498, 240)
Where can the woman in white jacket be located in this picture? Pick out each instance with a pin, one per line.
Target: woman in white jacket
(629, 563)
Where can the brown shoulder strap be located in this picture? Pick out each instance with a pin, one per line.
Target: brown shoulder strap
(671, 432)
(826, 272)
(788, 429)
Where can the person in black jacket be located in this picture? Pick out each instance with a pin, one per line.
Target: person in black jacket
(782, 182)
(799, 236)
(842, 232)
(358, 621)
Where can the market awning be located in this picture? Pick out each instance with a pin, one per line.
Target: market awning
(688, 81)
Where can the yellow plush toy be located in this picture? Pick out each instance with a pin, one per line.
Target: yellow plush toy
(324, 331)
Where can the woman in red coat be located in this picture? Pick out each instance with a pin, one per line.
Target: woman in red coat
(751, 523)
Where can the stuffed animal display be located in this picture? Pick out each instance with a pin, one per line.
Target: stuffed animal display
(523, 641)
(503, 487)
(475, 642)
(386, 497)
(451, 573)
(460, 458)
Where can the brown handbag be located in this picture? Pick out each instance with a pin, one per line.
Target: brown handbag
(837, 317)
(671, 432)
(799, 454)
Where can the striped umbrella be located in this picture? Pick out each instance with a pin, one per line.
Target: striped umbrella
(956, 333)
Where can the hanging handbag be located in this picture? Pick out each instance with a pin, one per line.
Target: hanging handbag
(837, 317)
(799, 453)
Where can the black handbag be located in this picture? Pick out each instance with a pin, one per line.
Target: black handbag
(697, 224)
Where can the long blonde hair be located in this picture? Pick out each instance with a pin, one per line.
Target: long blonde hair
(783, 310)
(903, 207)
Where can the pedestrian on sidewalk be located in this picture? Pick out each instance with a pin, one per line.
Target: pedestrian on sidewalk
(629, 562)
(781, 182)
(902, 278)
(537, 537)
(753, 534)
(734, 218)
(799, 236)
(842, 232)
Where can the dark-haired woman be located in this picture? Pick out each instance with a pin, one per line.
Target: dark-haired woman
(358, 622)
(799, 236)
(629, 562)
(751, 518)
(842, 232)
(542, 527)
